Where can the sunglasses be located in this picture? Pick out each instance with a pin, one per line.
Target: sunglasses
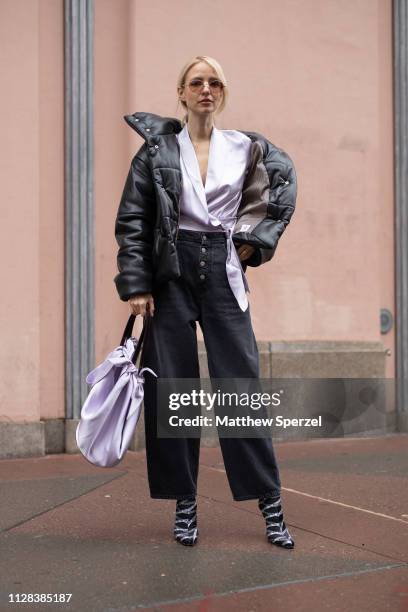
(215, 85)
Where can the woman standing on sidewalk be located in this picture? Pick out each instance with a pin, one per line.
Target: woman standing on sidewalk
(192, 190)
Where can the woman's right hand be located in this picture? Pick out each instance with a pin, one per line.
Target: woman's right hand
(142, 304)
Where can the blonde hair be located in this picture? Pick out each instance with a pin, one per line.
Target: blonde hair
(219, 72)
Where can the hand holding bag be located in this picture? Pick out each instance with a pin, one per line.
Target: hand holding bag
(111, 411)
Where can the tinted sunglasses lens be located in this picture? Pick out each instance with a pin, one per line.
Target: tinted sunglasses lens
(196, 84)
(216, 85)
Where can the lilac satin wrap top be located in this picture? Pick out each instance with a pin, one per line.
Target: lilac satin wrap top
(213, 207)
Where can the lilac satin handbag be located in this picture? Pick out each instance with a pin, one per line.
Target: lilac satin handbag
(111, 411)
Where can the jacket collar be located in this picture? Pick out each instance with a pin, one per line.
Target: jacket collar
(149, 124)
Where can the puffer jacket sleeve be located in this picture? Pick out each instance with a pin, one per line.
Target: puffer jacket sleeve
(134, 229)
(268, 202)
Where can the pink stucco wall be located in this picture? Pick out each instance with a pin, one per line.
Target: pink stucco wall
(32, 210)
(316, 83)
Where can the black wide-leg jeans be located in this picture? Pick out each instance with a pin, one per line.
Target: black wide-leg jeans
(202, 294)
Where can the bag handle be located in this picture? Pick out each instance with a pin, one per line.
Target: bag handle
(142, 338)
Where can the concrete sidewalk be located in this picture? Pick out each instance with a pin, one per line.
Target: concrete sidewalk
(70, 527)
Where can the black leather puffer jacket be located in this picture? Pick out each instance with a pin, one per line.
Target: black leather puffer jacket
(146, 225)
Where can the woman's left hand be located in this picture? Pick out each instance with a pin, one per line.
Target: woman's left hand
(245, 251)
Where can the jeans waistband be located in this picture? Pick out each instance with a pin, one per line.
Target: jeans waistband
(201, 237)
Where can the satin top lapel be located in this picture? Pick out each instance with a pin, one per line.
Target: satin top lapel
(217, 156)
(191, 164)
